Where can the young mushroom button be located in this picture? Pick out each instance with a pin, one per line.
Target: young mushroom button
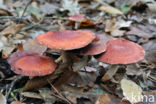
(31, 64)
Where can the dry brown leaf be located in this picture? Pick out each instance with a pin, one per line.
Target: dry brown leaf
(4, 12)
(131, 91)
(109, 99)
(46, 94)
(38, 82)
(48, 8)
(117, 32)
(65, 78)
(34, 46)
(133, 69)
(2, 99)
(12, 29)
(31, 95)
(152, 7)
(114, 26)
(110, 9)
(6, 46)
(17, 102)
(138, 32)
(150, 48)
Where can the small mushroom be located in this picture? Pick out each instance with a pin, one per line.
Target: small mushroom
(80, 20)
(31, 64)
(66, 40)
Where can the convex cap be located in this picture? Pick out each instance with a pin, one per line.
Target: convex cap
(66, 39)
(31, 64)
(120, 51)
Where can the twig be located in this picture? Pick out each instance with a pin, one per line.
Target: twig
(25, 9)
(60, 95)
(12, 85)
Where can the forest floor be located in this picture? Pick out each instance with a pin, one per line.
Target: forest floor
(89, 81)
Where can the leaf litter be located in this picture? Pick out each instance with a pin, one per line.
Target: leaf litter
(85, 80)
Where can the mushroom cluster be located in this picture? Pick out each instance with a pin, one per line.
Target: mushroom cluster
(33, 64)
(110, 51)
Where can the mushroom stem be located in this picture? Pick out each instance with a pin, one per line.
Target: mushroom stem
(110, 73)
(65, 57)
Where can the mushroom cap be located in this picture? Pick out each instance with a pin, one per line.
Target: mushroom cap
(31, 64)
(78, 18)
(120, 51)
(66, 39)
(98, 46)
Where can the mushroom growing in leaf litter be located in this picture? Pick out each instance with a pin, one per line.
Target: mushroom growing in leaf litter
(120, 51)
(66, 40)
(31, 64)
(80, 20)
(98, 46)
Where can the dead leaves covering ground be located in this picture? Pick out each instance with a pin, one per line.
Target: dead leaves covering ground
(89, 81)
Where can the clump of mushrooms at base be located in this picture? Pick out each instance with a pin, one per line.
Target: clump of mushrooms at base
(114, 51)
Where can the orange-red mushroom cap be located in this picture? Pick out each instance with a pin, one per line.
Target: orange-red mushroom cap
(78, 18)
(66, 39)
(120, 51)
(31, 64)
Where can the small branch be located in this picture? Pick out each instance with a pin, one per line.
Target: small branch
(13, 84)
(25, 9)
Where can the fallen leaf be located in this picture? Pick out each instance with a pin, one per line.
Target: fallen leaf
(48, 8)
(2, 99)
(114, 26)
(152, 7)
(109, 99)
(6, 46)
(17, 102)
(34, 46)
(138, 32)
(71, 5)
(31, 95)
(110, 9)
(150, 48)
(4, 12)
(46, 94)
(131, 91)
(12, 29)
(133, 70)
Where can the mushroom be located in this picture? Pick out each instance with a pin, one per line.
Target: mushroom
(31, 64)
(120, 51)
(80, 20)
(98, 46)
(66, 40)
